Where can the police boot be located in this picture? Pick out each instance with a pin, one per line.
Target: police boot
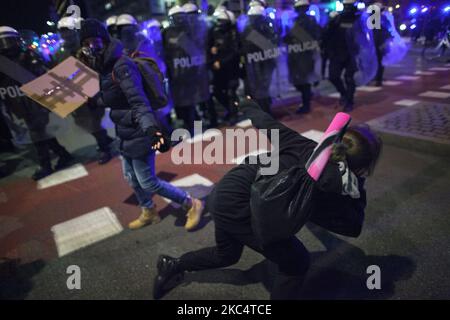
(348, 108)
(169, 276)
(303, 109)
(43, 171)
(65, 159)
(103, 156)
(148, 216)
(103, 150)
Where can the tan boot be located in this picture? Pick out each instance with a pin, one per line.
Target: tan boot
(148, 216)
(194, 214)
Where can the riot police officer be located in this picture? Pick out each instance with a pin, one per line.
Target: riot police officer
(381, 36)
(185, 49)
(225, 62)
(342, 59)
(303, 53)
(259, 51)
(35, 116)
(134, 42)
(111, 26)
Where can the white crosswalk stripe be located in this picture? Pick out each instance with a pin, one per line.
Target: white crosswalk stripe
(406, 103)
(195, 184)
(75, 172)
(207, 135)
(368, 89)
(315, 135)
(391, 83)
(244, 123)
(334, 95)
(408, 78)
(85, 230)
(435, 94)
(424, 73)
(447, 87)
(240, 159)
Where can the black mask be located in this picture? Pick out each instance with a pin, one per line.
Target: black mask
(93, 50)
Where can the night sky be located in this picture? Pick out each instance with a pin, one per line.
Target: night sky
(25, 14)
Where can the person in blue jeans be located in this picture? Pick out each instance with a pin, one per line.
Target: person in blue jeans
(135, 123)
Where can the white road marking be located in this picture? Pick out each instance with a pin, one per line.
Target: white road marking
(244, 123)
(424, 73)
(368, 89)
(392, 83)
(315, 135)
(195, 184)
(447, 87)
(208, 134)
(435, 94)
(334, 95)
(85, 230)
(75, 172)
(406, 103)
(408, 78)
(240, 159)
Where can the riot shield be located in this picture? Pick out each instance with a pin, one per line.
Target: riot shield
(395, 48)
(302, 49)
(185, 47)
(361, 46)
(154, 46)
(260, 53)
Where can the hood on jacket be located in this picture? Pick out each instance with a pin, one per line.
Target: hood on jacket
(113, 52)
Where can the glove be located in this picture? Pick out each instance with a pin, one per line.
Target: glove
(159, 141)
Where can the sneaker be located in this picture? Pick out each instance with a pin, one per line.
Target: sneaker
(194, 215)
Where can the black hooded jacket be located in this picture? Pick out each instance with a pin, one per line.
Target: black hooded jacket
(122, 91)
(229, 201)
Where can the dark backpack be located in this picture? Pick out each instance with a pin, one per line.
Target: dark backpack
(153, 81)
